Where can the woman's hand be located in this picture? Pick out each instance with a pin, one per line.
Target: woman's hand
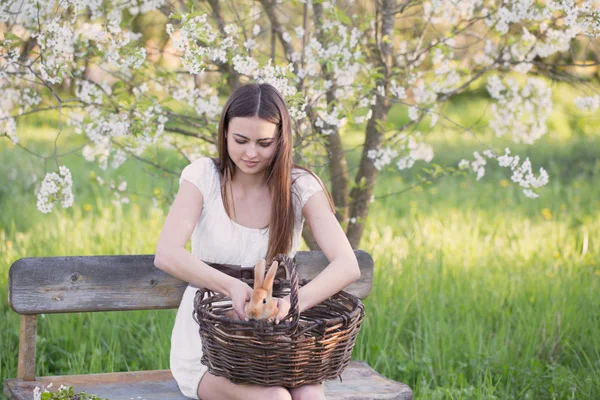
(284, 308)
(240, 293)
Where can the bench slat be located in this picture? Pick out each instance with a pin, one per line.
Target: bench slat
(125, 282)
(359, 382)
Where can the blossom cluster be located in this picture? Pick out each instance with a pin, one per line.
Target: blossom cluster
(411, 149)
(521, 174)
(588, 103)
(19, 99)
(194, 29)
(204, 100)
(521, 111)
(55, 187)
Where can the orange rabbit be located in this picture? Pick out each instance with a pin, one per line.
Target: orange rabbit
(261, 305)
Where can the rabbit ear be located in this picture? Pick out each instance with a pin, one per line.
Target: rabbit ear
(270, 277)
(259, 273)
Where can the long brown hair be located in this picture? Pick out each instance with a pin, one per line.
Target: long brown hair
(265, 102)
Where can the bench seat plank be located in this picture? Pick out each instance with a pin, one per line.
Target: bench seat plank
(359, 382)
(44, 285)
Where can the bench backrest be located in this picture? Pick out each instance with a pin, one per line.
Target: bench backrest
(44, 285)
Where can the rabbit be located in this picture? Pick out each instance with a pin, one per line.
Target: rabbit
(262, 306)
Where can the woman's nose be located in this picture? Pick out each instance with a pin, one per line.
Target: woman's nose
(251, 151)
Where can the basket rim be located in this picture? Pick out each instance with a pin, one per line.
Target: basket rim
(357, 305)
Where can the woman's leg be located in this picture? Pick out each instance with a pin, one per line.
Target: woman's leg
(219, 388)
(308, 392)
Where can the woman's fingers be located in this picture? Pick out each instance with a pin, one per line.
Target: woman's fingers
(284, 308)
(239, 296)
(238, 307)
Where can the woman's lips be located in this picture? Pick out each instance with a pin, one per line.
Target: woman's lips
(250, 164)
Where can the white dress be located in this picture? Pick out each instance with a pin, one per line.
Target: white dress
(218, 239)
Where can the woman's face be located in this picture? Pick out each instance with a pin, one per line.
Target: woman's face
(251, 143)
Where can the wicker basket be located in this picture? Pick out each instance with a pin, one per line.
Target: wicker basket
(302, 349)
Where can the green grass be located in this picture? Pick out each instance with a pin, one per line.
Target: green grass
(479, 293)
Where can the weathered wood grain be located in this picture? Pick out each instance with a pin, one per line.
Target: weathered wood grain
(359, 382)
(128, 282)
(27, 340)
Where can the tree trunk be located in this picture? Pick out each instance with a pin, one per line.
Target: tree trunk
(360, 197)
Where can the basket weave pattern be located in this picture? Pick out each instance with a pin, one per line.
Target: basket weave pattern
(310, 348)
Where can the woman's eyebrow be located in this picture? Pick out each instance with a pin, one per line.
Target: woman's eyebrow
(259, 140)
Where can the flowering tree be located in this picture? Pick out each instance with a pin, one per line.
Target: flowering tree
(132, 74)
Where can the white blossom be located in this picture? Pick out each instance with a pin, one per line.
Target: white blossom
(250, 44)
(405, 162)
(530, 193)
(396, 90)
(8, 127)
(54, 188)
(521, 174)
(245, 65)
(382, 157)
(89, 92)
(413, 113)
(520, 111)
(588, 103)
(231, 30)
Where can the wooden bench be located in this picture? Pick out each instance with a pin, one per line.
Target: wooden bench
(121, 283)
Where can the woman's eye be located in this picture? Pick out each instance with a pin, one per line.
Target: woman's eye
(240, 141)
(266, 144)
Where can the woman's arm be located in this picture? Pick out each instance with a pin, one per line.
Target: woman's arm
(343, 267)
(172, 257)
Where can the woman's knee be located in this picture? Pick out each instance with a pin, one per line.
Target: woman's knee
(308, 392)
(276, 393)
(217, 388)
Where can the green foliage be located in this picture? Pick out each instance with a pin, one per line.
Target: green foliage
(67, 393)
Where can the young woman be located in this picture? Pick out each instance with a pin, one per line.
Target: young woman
(249, 204)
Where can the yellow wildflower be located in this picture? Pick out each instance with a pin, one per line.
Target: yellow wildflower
(87, 207)
(504, 183)
(547, 214)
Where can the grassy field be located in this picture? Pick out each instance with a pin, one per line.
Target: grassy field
(479, 292)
